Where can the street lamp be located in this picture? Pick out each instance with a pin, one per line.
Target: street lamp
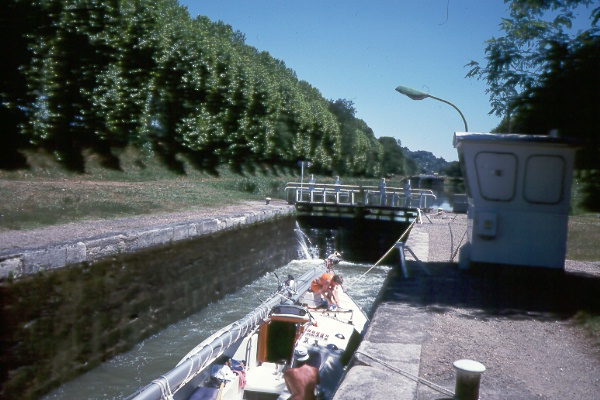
(418, 95)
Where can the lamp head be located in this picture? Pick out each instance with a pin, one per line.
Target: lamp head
(412, 93)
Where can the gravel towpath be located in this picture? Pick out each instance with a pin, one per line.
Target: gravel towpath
(519, 324)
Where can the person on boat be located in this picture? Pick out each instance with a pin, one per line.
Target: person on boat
(290, 283)
(324, 289)
(303, 378)
(221, 371)
(239, 368)
(333, 259)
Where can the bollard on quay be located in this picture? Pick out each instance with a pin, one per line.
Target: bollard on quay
(468, 376)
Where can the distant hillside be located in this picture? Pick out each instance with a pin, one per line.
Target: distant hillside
(427, 162)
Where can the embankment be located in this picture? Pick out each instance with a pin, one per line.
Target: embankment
(69, 306)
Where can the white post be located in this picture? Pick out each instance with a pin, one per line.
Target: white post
(468, 375)
(382, 195)
(311, 186)
(407, 197)
(301, 177)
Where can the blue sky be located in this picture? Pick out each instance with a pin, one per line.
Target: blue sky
(361, 50)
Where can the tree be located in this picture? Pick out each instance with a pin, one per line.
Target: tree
(361, 152)
(453, 170)
(567, 100)
(15, 19)
(88, 76)
(393, 157)
(549, 79)
(516, 61)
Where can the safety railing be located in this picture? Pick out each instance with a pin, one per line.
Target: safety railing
(337, 194)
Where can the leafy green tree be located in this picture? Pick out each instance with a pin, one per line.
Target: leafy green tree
(549, 79)
(393, 156)
(453, 170)
(18, 19)
(361, 152)
(92, 76)
(68, 53)
(568, 99)
(516, 60)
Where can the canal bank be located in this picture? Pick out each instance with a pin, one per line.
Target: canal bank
(519, 323)
(61, 318)
(26, 252)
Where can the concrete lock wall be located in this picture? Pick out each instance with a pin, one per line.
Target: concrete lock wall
(59, 323)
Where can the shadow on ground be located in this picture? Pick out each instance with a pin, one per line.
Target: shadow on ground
(512, 292)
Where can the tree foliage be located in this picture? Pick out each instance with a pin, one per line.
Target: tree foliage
(97, 76)
(568, 99)
(548, 77)
(394, 162)
(516, 61)
(362, 153)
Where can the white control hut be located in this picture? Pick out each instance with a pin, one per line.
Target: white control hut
(518, 189)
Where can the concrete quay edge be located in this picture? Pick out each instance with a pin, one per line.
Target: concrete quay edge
(387, 361)
(15, 263)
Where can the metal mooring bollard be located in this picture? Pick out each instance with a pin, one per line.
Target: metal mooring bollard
(400, 247)
(468, 375)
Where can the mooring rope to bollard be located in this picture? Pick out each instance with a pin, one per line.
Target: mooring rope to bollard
(407, 374)
(452, 250)
(385, 255)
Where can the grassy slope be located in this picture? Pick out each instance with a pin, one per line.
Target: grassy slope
(48, 195)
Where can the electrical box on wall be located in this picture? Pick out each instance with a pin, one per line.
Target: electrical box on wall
(485, 224)
(519, 192)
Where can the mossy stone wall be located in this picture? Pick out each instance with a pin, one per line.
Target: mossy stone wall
(58, 324)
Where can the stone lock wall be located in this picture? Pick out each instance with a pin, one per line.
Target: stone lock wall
(56, 324)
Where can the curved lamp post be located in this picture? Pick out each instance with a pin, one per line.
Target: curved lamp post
(418, 95)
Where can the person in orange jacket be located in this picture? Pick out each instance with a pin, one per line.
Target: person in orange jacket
(324, 290)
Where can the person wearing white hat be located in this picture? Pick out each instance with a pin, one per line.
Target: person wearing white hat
(302, 379)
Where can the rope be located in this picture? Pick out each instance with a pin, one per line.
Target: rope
(458, 247)
(451, 240)
(408, 375)
(165, 390)
(385, 255)
(452, 251)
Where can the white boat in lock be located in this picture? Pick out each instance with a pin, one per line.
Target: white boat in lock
(265, 340)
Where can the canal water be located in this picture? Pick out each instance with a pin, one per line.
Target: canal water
(445, 196)
(124, 374)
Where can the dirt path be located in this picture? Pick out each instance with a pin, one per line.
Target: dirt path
(520, 325)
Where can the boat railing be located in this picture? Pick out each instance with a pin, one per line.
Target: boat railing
(353, 195)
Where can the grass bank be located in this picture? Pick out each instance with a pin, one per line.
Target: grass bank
(48, 195)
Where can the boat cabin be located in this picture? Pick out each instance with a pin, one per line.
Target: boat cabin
(280, 332)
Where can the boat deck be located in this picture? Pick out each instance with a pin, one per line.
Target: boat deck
(265, 378)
